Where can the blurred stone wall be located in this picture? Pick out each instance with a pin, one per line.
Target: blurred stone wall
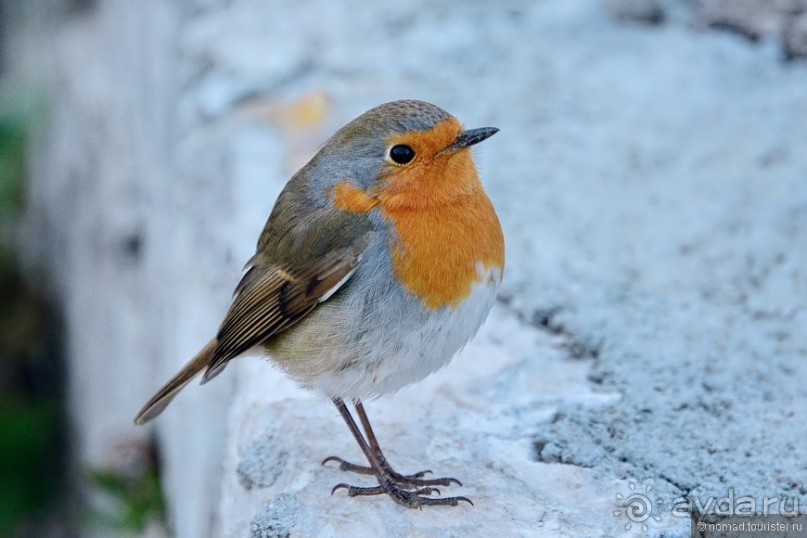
(119, 175)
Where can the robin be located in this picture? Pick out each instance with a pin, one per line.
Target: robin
(380, 260)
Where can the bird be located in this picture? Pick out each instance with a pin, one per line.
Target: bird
(380, 260)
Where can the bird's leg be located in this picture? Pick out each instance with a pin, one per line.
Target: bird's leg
(386, 484)
(413, 481)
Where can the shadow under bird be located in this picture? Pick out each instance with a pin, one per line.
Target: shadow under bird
(380, 260)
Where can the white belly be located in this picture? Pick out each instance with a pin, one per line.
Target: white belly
(346, 351)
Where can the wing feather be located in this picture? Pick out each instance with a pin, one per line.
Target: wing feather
(271, 299)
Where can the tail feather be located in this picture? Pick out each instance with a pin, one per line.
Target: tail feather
(163, 397)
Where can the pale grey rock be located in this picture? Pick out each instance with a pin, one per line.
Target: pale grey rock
(751, 19)
(641, 212)
(642, 11)
(262, 463)
(278, 520)
(795, 38)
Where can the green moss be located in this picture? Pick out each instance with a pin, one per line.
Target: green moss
(29, 466)
(15, 123)
(31, 411)
(138, 498)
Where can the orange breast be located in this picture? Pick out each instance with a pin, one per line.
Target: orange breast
(440, 249)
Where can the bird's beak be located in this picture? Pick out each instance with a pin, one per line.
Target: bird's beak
(468, 138)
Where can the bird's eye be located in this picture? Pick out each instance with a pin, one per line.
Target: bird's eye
(401, 154)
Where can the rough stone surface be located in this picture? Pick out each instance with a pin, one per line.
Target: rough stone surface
(650, 336)
(642, 11)
(753, 20)
(796, 38)
(655, 228)
(749, 18)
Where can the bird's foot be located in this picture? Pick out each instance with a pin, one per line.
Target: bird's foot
(409, 481)
(401, 495)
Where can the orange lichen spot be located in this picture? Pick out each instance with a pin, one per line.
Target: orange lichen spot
(349, 198)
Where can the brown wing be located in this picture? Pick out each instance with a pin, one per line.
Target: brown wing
(271, 299)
